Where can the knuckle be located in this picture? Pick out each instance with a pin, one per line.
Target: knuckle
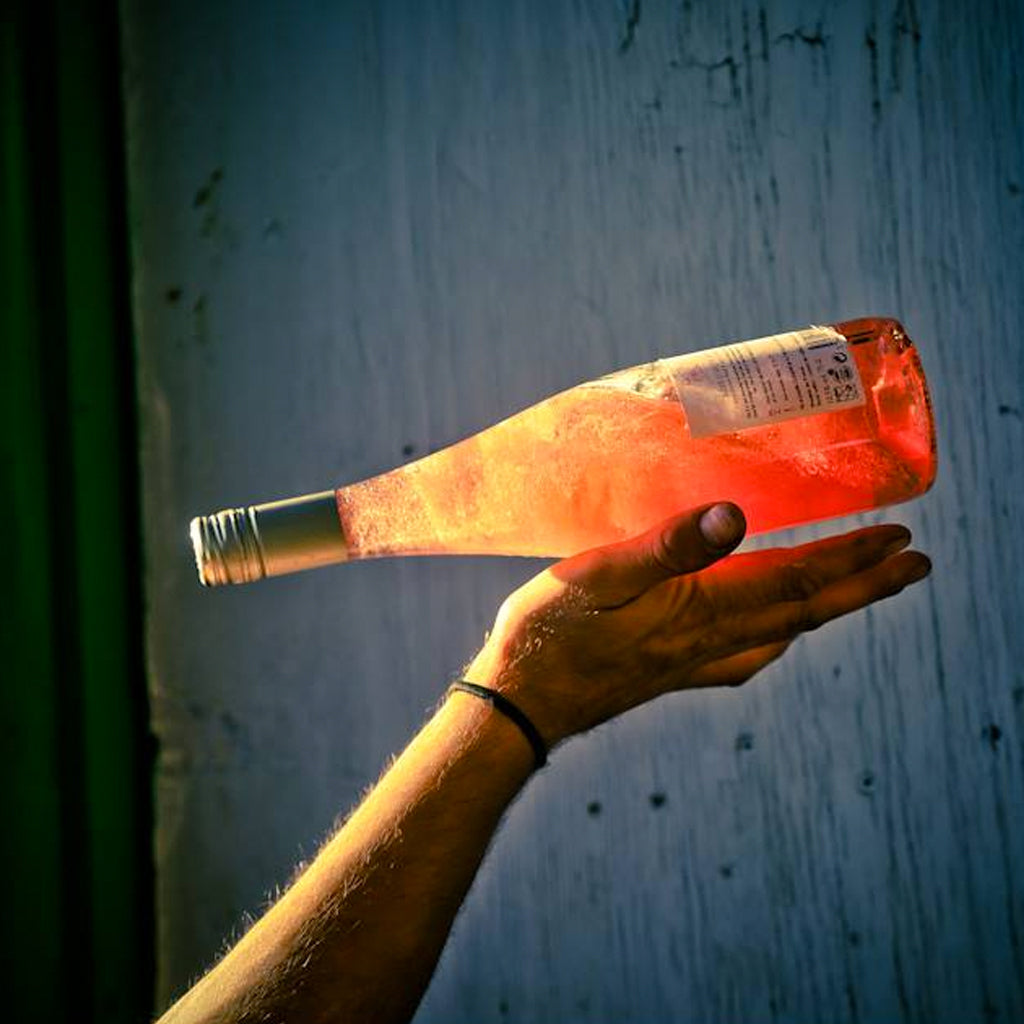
(864, 540)
(807, 618)
(690, 602)
(815, 579)
(708, 643)
(664, 555)
(799, 618)
(798, 582)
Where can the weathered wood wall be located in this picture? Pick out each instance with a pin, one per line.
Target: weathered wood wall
(362, 230)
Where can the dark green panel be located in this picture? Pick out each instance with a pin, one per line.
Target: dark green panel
(103, 475)
(74, 708)
(28, 698)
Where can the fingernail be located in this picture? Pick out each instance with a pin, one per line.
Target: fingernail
(920, 569)
(896, 544)
(722, 525)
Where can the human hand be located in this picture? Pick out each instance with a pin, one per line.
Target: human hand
(615, 627)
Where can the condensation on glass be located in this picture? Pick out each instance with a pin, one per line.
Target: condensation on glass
(794, 428)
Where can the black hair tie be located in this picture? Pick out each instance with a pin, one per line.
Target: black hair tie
(510, 711)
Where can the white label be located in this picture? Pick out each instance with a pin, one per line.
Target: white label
(766, 380)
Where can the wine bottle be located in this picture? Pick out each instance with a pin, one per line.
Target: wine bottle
(794, 428)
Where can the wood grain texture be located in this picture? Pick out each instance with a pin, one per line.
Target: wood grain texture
(362, 231)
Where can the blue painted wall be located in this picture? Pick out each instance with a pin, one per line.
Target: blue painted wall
(362, 231)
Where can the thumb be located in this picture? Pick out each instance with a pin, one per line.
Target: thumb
(686, 543)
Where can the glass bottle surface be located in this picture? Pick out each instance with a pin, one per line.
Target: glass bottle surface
(607, 459)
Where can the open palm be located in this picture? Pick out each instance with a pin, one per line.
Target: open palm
(614, 627)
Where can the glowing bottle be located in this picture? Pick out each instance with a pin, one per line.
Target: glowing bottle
(796, 427)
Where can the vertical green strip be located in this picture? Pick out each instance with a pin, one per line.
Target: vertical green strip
(77, 923)
(30, 927)
(103, 479)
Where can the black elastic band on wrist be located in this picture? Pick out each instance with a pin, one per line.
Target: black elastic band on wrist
(510, 711)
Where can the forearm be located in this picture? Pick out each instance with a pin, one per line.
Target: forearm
(358, 934)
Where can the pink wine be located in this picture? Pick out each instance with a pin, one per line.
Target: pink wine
(793, 428)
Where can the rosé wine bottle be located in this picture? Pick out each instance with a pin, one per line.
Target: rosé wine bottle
(794, 428)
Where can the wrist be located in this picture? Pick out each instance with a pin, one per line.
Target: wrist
(514, 681)
(511, 711)
(481, 726)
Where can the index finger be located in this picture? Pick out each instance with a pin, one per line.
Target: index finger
(782, 621)
(793, 574)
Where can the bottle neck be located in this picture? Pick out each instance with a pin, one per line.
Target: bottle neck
(245, 544)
